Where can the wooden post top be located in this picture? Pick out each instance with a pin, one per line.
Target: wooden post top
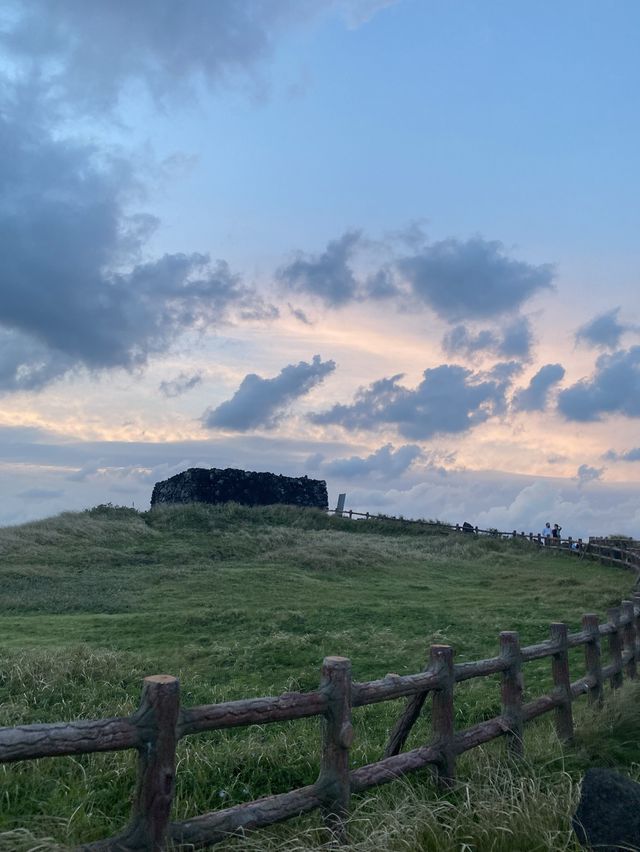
(336, 661)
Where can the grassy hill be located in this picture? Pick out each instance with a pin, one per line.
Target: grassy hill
(243, 602)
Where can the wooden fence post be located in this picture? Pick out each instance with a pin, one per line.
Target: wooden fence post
(562, 681)
(157, 716)
(615, 647)
(337, 737)
(512, 691)
(592, 660)
(442, 713)
(629, 638)
(636, 605)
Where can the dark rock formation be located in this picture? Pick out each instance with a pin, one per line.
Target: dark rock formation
(240, 486)
(608, 814)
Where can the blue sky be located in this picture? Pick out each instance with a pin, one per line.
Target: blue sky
(388, 243)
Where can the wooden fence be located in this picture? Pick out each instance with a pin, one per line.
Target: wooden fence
(159, 723)
(625, 553)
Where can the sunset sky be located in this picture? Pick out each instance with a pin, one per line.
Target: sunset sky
(393, 245)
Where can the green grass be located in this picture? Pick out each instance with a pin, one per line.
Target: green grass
(242, 602)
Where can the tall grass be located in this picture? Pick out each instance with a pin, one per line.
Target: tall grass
(240, 602)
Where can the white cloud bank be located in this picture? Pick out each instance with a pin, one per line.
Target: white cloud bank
(43, 479)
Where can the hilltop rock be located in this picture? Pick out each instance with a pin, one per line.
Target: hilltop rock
(608, 814)
(199, 485)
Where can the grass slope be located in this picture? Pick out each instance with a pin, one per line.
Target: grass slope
(240, 602)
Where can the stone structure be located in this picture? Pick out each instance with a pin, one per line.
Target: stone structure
(200, 485)
(608, 814)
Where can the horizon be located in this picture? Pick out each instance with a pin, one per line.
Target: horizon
(385, 243)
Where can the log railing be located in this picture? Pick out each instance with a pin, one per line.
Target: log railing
(624, 553)
(159, 723)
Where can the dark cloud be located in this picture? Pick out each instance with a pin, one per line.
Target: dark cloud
(385, 462)
(458, 279)
(512, 341)
(329, 275)
(516, 339)
(472, 279)
(181, 384)
(628, 456)
(585, 473)
(89, 51)
(534, 397)
(299, 314)
(504, 372)
(260, 403)
(603, 331)
(450, 399)
(77, 288)
(614, 388)
(26, 364)
(460, 341)
(73, 289)
(381, 285)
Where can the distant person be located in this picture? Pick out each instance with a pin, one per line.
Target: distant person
(555, 533)
(546, 533)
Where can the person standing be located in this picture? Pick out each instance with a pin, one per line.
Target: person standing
(546, 533)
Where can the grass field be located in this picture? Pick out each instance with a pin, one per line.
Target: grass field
(243, 602)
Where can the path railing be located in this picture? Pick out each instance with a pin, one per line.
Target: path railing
(625, 553)
(159, 723)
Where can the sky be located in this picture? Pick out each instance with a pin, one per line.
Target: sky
(387, 243)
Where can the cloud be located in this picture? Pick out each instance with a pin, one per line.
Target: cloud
(603, 331)
(39, 494)
(181, 384)
(508, 502)
(458, 279)
(299, 314)
(261, 403)
(585, 473)
(74, 291)
(628, 456)
(512, 341)
(359, 12)
(614, 388)
(534, 396)
(328, 275)
(472, 279)
(89, 52)
(503, 372)
(122, 472)
(450, 399)
(385, 463)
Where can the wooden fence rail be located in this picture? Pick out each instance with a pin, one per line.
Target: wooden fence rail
(159, 723)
